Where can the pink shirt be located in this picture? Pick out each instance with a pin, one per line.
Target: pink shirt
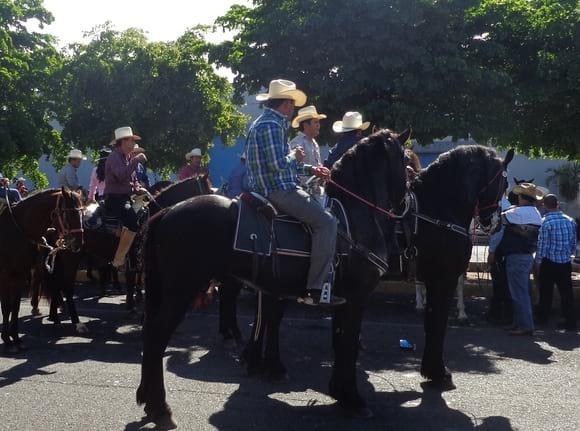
(96, 186)
(189, 171)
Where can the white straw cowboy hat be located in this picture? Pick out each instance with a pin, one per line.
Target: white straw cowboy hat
(196, 152)
(283, 89)
(350, 121)
(124, 132)
(76, 154)
(530, 190)
(307, 113)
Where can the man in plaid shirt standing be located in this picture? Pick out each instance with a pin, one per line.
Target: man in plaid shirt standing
(273, 172)
(556, 243)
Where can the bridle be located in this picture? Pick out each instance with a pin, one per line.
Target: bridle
(495, 204)
(58, 218)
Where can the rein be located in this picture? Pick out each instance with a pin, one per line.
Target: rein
(377, 208)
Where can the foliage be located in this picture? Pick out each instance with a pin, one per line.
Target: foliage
(568, 179)
(27, 59)
(500, 70)
(167, 92)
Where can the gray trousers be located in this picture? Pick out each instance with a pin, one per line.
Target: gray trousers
(304, 207)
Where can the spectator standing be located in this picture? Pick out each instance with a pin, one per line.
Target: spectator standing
(556, 244)
(238, 179)
(517, 241)
(7, 193)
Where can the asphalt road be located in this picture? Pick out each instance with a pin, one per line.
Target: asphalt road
(68, 382)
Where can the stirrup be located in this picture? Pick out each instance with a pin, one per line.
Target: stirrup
(312, 298)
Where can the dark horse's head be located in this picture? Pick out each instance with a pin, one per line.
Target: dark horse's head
(374, 169)
(470, 180)
(181, 191)
(67, 219)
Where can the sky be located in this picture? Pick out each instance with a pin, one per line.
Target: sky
(163, 20)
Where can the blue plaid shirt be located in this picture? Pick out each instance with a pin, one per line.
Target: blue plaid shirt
(271, 167)
(557, 240)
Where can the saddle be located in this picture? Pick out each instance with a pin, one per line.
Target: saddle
(96, 218)
(263, 230)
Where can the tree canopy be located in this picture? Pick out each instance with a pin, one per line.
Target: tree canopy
(500, 70)
(168, 93)
(27, 60)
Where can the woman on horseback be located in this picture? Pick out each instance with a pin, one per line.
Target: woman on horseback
(119, 173)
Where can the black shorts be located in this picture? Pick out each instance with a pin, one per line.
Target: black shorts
(119, 206)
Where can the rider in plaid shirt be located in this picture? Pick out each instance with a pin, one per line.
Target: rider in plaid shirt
(556, 244)
(273, 171)
(271, 166)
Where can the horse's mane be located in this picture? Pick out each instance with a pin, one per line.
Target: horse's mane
(41, 193)
(178, 183)
(360, 161)
(456, 160)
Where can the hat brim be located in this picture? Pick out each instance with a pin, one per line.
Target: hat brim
(300, 118)
(337, 127)
(133, 137)
(536, 194)
(77, 157)
(298, 96)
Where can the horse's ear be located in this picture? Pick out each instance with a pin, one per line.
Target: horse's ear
(508, 158)
(405, 136)
(65, 192)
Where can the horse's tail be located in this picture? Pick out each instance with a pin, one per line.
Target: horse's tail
(152, 296)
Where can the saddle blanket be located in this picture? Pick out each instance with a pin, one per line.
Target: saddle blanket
(262, 231)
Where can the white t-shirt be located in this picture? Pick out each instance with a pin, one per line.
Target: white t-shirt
(524, 215)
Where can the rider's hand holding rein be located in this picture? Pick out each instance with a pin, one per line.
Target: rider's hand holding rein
(321, 172)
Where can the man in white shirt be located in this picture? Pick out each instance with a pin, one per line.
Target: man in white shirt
(308, 121)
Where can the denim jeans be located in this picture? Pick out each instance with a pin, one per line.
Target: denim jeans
(518, 268)
(305, 208)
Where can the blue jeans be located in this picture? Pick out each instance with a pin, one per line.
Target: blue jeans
(518, 268)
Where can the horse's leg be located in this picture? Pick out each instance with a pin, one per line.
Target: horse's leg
(35, 289)
(461, 314)
(419, 296)
(17, 285)
(439, 293)
(228, 324)
(115, 277)
(5, 302)
(139, 288)
(130, 281)
(156, 334)
(104, 277)
(346, 325)
(276, 371)
(252, 354)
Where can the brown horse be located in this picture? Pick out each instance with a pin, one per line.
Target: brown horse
(22, 230)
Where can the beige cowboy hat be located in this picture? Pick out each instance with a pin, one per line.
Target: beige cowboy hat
(307, 113)
(196, 152)
(530, 190)
(76, 154)
(283, 89)
(124, 132)
(350, 121)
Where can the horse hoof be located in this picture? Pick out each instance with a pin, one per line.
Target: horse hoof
(10, 349)
(81, 328)
(463, 321)
(229, 344)
(444, 384)
(165, 423)
(36, 312)
(278, 378)
(362, 412)
(162, 421)
(21, 347)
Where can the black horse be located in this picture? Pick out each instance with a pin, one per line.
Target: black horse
(177, 270)
(464, 183)
(461, 184)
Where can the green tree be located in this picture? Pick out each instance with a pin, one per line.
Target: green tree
(537, 42)
(27, 59)
(442, 66)
(168, 93)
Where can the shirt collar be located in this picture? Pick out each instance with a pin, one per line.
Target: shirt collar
(278, 115)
